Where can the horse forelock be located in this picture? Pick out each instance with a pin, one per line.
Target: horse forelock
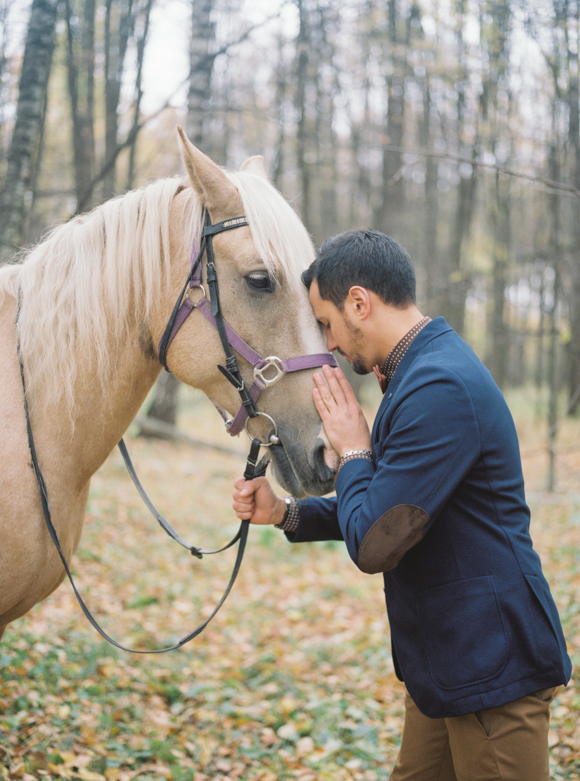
(281, 239)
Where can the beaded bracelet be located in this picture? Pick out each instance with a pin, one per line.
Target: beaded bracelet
(291, 517)
(350, 455)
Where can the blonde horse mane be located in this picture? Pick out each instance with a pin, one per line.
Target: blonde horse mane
(81, 284)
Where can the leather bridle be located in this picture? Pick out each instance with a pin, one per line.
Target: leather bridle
(211, 309)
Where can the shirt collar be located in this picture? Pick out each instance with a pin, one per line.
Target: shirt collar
(394, 358)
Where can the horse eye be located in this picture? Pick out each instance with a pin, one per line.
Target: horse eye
(260, 282)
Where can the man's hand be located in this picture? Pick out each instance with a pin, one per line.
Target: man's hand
(254, 500)
(342, 417)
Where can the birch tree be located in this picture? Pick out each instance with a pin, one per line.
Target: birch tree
(80, 40)
(164, 406)
(16, 194)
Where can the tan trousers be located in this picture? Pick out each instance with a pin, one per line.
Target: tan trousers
(509, 743)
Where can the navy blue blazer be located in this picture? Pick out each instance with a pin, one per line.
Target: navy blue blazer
(442, 513)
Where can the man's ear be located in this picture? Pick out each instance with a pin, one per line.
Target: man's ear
(360, 301)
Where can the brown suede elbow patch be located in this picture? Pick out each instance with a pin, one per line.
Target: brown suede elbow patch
(390, 537)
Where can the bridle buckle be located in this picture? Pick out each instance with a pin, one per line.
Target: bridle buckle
(271, 361)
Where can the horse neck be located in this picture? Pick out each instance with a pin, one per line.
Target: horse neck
(101, 416)
(103, 413)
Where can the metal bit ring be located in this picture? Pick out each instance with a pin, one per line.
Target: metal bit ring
(274, 438)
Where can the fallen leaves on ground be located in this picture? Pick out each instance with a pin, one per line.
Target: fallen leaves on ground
(292, 680)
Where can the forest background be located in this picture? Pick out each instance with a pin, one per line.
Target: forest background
(454, 127)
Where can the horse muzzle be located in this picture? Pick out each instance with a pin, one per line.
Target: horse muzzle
(299, 472)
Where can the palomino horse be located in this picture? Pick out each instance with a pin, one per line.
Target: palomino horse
(95, 298)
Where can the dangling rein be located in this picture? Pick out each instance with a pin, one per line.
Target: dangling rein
(248, 410)
(242, 534)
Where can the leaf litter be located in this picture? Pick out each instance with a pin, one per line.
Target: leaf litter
(292, 680)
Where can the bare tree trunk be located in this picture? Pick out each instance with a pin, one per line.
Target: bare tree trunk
(326, 142)
(280, 107)
(138, 93)
(303, 158)
(539, 369)
(498, 67)
(164, 405)
(81, 86)
(116, 41)
(221, 150)
(390, 204)
(31, 230)
(431, 258)
(573, 347)
(457, 276)
(363, 188)
(573, 294)
(554, 201)
(15, 197)
(200, 68)
(497, 359)
(5, 6)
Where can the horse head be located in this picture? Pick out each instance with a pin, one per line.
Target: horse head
(263, 301)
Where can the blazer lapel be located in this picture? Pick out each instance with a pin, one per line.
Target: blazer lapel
(432, 330)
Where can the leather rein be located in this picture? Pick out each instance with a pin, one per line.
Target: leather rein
(211, 309)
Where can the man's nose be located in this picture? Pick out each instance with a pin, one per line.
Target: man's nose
(331, 343)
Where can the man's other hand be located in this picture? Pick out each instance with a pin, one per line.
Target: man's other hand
(343, 419)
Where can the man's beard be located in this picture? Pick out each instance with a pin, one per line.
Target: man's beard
(359, 367)
(357, 363)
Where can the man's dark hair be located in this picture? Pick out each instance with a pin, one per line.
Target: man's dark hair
(367, 258)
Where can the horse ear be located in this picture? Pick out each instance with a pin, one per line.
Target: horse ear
(216, 191)
(255, 165)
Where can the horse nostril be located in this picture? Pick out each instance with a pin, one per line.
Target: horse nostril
(324, 461)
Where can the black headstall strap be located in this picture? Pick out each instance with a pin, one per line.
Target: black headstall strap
(166, 337)
(251, 471)
(231, 369)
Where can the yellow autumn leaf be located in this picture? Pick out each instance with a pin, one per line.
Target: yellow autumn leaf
(89, 775)
(60, 770)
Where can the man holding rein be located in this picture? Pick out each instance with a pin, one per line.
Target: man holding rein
(434, 499)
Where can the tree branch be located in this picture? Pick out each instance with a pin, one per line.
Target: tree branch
(568, 188)
(137, 127)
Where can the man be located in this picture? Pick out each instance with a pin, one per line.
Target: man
(434, 498)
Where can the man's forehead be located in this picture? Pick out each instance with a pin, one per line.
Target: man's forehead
(319, 305)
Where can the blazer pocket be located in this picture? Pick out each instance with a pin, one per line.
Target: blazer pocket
(544, 636)
(463, 632)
